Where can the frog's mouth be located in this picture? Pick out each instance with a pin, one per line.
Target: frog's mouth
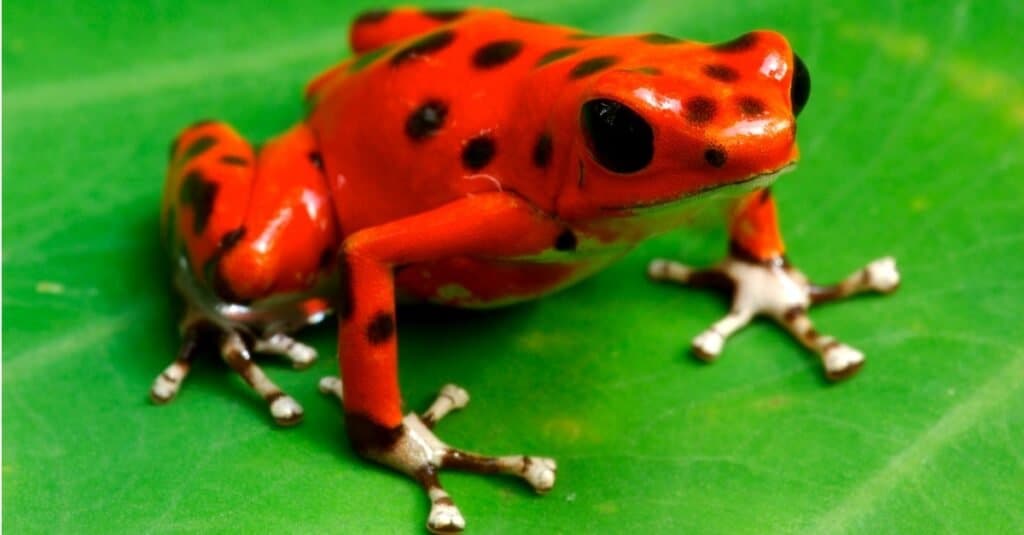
(738, 187)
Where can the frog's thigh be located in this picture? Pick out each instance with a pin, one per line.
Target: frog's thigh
(289, 234)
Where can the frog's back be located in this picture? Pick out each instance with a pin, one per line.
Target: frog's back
(419, 120)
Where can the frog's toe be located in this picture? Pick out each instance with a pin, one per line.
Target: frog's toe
(841, 361)
(164, 388)
(300, 355)
(445, 517)
(285, 410)
(539, 472)
(882, 275)
(708, 345)
(168, 383)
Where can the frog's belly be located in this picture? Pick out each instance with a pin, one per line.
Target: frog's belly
(485, 283)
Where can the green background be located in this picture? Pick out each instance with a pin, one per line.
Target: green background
(912, 146)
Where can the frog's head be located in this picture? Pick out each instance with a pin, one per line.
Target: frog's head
(673, 122)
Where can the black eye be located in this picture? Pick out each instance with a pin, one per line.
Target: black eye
(800, 89)
(617, 136)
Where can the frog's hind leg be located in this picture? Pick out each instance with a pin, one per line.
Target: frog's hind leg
(762, 282)
(244, 226)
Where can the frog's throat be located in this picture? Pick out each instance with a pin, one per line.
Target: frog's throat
(750, 183)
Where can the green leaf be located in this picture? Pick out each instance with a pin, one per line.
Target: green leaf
(911, 146)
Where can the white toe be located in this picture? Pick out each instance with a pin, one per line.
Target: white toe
(458, 395)
(285, 410)
(656, 268)
(708, 344)
(540, 473)
(329, 384)
(163, 390)
(883, 275)
(841, 358)
(445, 518)
(302, 356)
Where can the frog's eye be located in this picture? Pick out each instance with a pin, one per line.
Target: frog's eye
(620, 140)
(800, 88)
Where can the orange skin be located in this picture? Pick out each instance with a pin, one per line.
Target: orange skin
(371, 182)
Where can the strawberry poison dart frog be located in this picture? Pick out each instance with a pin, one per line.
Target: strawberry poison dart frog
(476, 159)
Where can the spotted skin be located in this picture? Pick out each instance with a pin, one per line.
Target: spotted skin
(474, 159)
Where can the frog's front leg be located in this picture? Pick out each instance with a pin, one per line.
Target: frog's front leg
(763, 282)
(486, 225)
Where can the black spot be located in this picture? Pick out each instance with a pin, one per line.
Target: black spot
(739, 44)
(230, 239)
(317, 160)
(478, 152)
(348, 302)
(556, 55)
(444, 15)
(800, 90)
(566, 241)
(496, 54)
(373, 16)
(197, 147)
(650, 71)
(722, 73)
(587, 67)
(582, 36)
(618, 137)
(200, 194)
(326, 258)
(700, 110)
(715, 156)
(426, 120)
(542, 150)
(529, 20)
(222, 287)
(366, 59)
(231, 159)
(765, 196)
(659, 39)
(751, 107)
(424, 46)
(367, 436)
(381, 328)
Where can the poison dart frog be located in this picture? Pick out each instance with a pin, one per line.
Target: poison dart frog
(475, 159)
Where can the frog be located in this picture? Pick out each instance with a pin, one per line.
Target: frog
(475, 159)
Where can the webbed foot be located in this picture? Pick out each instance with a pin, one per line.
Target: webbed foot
(780, 291)
(414, 449)
(236, 350)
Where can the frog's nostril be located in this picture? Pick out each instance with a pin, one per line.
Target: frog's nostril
(800, 87)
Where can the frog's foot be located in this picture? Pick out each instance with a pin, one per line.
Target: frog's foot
(236, 353)
(412, 448)
(775, 289)
(300, 355)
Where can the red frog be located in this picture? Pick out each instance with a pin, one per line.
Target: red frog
(475, 159)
